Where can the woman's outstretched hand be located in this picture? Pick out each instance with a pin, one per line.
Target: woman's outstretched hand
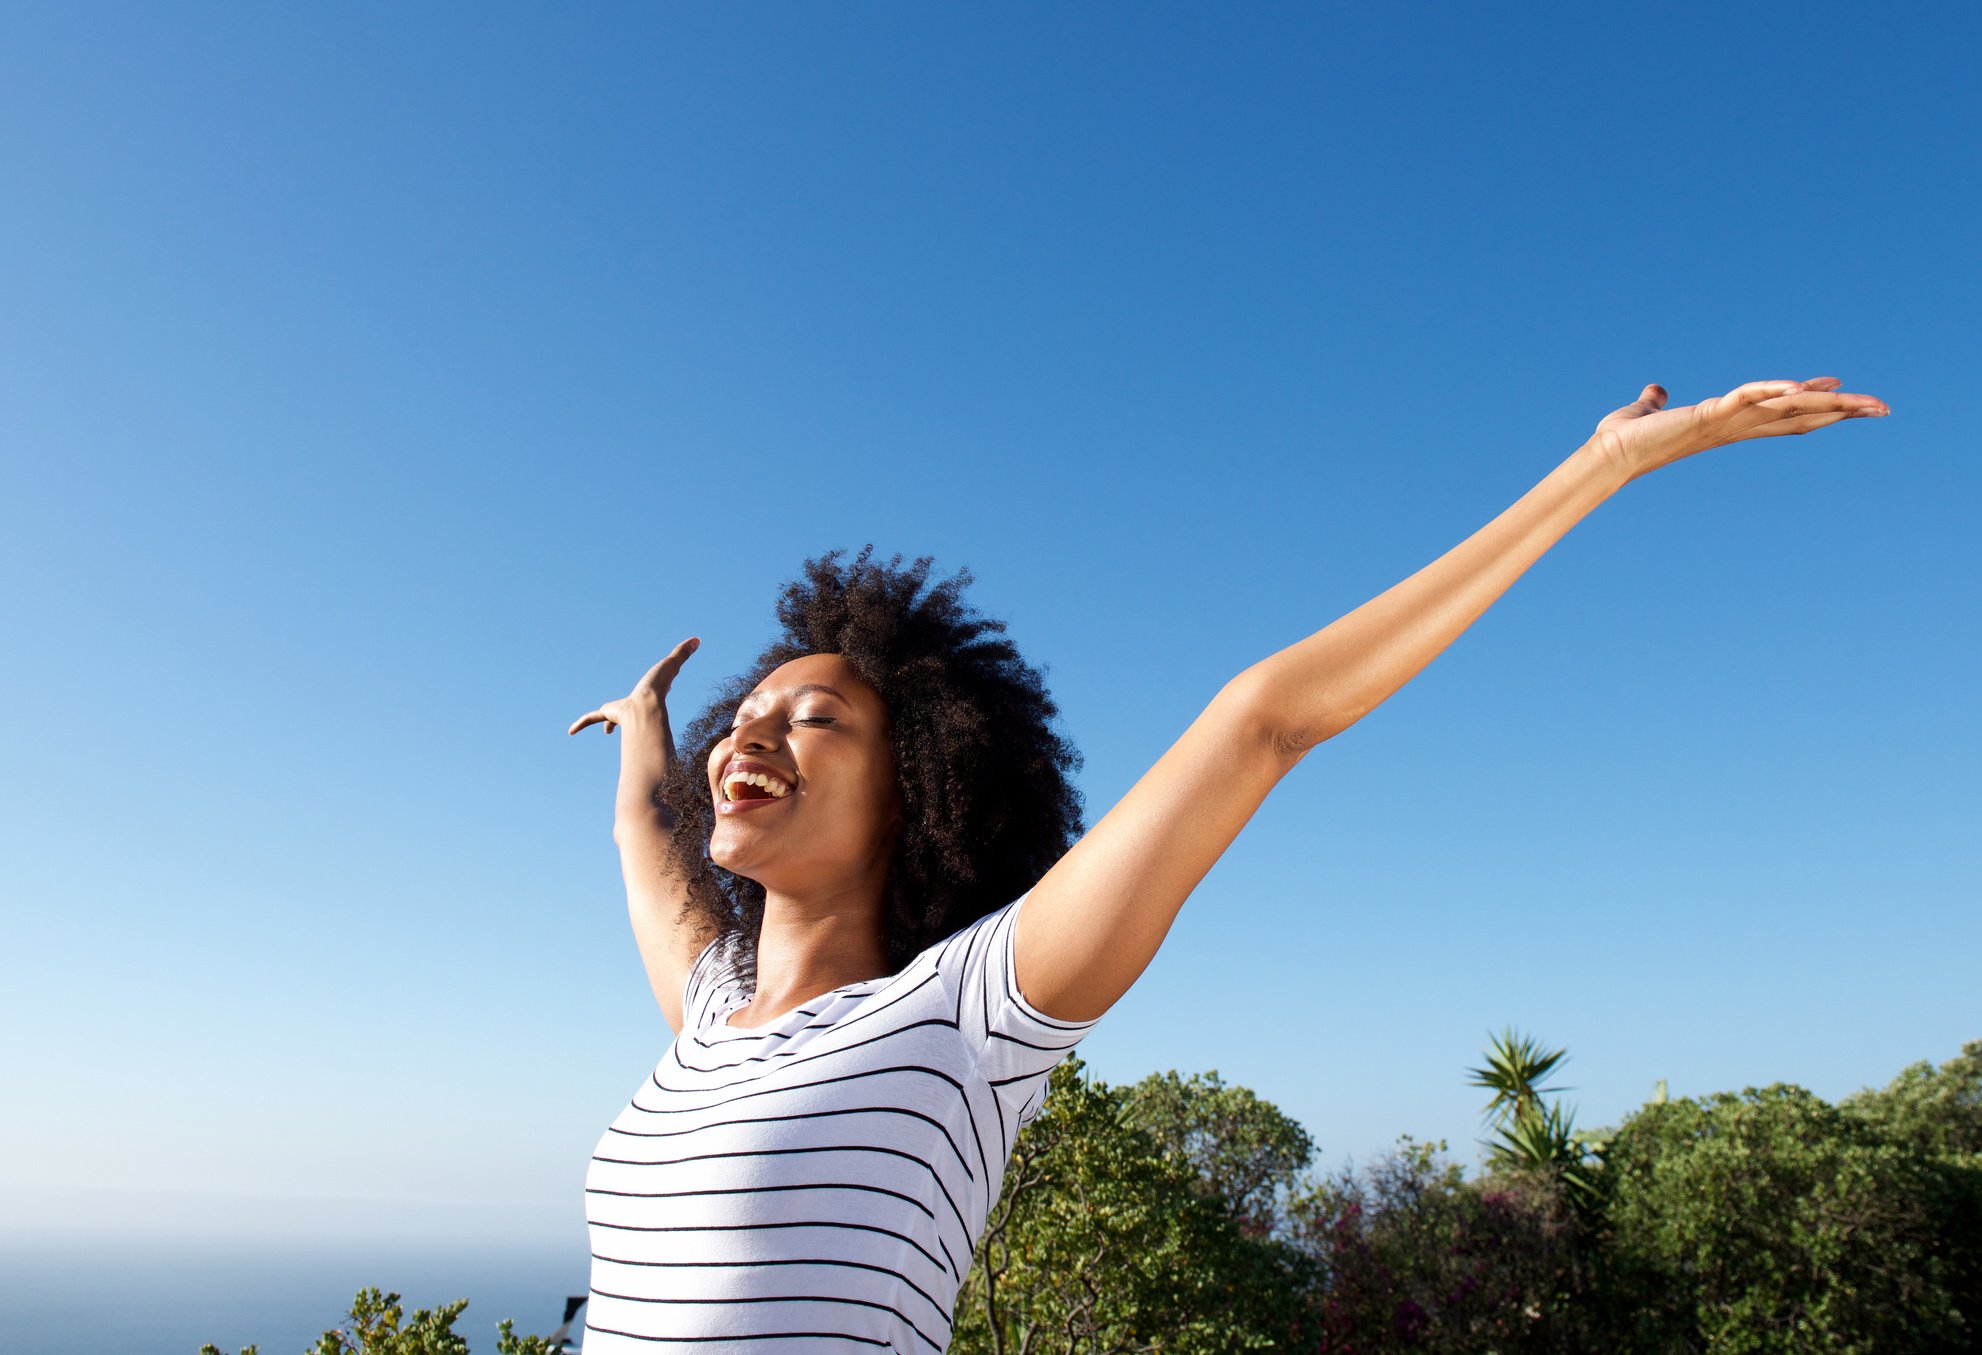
(648, 697)
(1645, 435)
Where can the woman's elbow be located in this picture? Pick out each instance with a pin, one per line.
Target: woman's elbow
(1281, 726)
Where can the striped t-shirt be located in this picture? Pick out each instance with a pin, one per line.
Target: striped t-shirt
(818, 1184)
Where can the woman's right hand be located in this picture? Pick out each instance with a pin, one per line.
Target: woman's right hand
(648, 695)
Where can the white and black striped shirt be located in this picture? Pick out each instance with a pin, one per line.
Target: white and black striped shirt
(818, 1183)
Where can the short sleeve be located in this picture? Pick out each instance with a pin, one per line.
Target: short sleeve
(707, 977)
(1017, 1045)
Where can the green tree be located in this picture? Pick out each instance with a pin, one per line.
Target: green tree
(1245, 1153)
(376, 1324)
(1936, 1111)
(1104, 1243)
(1772, 1221)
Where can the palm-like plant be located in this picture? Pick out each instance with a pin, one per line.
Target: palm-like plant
(1528, 1133)
(1516, 1067)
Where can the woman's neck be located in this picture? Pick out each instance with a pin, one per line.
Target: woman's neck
(812, 945)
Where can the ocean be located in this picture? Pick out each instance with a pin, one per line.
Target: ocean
(105, 1296)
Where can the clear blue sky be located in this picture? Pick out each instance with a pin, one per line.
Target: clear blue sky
(382, 388)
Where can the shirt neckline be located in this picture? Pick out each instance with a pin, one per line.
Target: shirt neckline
(719, 1024)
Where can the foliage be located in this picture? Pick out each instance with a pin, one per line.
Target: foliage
(1177, 1215)
(1937, 1112)
(1530, 1135)
(1244, 1152)
(374, 1329)
(377, 1325)
(1412, 1257)
(1772, 1221)
(509, 1343)
(1517, 1065)
(1103, 1242)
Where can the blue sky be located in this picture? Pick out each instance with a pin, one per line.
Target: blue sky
(382, 389)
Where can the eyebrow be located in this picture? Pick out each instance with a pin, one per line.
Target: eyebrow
(799, 691)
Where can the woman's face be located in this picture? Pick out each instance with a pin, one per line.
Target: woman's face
(817, 731)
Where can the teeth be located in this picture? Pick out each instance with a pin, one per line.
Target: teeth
(778, 789)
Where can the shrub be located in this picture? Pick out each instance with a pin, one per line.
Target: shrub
(1413, 1257)
(377, 1325)
(1772, 1221)
(1105, 1238)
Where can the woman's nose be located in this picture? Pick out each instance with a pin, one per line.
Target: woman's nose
(758, 733)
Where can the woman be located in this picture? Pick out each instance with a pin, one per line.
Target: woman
(895, 936)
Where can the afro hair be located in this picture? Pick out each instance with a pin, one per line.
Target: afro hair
(988, 804)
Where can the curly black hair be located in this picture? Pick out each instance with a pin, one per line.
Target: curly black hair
(988, 804)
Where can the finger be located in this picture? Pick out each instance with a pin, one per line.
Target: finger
(1815, 402)
(1802, 423)
(1859, 403)
(1757, 391)
(1649, 401)
(592, 717)
(1822, 383)
(661, 675)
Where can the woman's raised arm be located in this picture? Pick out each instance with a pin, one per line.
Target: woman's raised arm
(1093, 923)
(656, 885)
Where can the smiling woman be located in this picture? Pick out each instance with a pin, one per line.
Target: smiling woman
(862, 905)
(823, 887)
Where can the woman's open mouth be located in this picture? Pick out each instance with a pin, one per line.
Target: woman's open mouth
(748, 785)
(745, 806)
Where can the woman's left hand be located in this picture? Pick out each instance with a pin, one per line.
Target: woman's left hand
(1645, 435)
